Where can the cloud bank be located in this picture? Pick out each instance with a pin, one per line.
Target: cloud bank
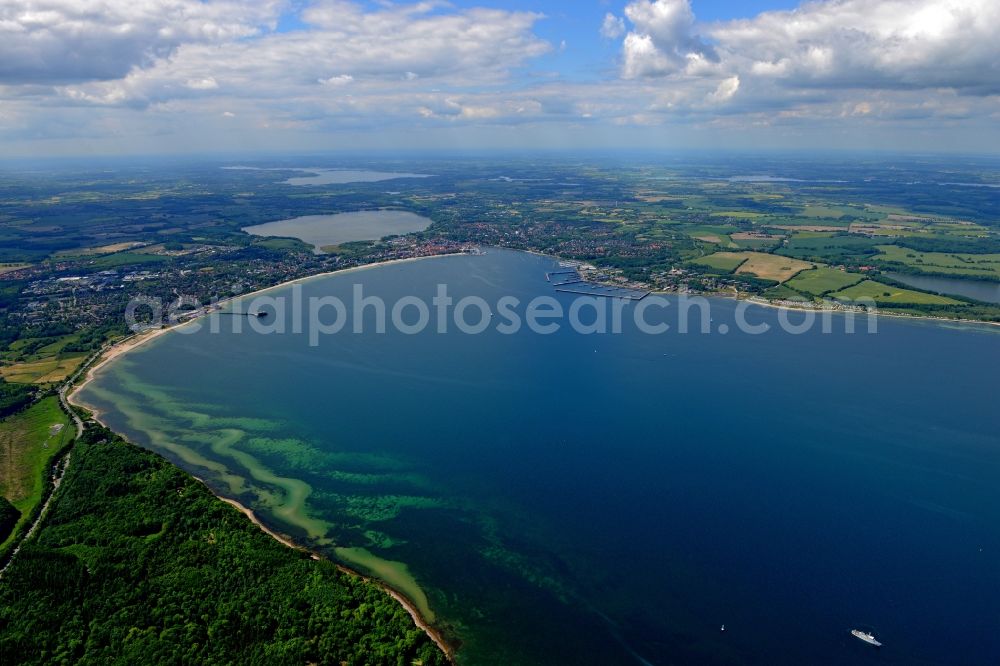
(62, 41)
(147, 68)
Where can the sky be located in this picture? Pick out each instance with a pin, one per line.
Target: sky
(81, 77)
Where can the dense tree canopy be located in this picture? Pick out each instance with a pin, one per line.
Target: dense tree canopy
(14, 397)
(138, 563)
(9, 516)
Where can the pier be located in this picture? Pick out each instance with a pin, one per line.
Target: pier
(606, 291)
(571, 281)
(549, 276)
(259, 314)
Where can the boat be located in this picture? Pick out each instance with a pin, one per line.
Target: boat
(866, 636)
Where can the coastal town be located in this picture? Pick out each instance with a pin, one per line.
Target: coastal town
(499, 333)
(66, 310)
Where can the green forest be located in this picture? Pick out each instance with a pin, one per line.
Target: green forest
(138, 563)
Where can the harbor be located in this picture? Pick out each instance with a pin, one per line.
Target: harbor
(584, 279)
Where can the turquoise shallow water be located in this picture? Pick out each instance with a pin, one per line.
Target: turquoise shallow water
(578, 499)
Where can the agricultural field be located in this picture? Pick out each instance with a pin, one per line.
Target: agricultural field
(959, 229)
(710, 238)
(772, 266)
(985, 266)
(28, 442)
(756, 240)
(875, 229)
(804, 227)
(884, 294)
(829, 249)
(738, 214)
(756, 244)
(104, 249)
(10, 267)
(783, 292)
(126, 259)
(709, 233)
(829, 212)
(725, 262)
(823, 280)
(55, 369)
(33, 349)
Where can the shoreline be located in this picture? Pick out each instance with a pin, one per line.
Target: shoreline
(130, 343)
(812, 307)
(136, 340)
(407, 605)
(316, 276)
(105, 356)
(781, 305)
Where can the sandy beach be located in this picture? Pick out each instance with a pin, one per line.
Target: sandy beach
(106, 356)
(811, 307)
(135, 341)
(339, 271)
(418, 620)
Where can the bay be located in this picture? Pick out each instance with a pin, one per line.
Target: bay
(594, 499)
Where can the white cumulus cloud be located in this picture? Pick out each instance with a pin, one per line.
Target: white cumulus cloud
(832, 44)
(663, 39)
(892, 44)
(338, 80)
(160, 68)
(207, 83)
(726, 90)
(409, 43)
(613, 26)
(62, 41)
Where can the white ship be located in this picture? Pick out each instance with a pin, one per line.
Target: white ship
(865, 636)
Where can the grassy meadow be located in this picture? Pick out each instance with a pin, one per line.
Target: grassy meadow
(820, 281)
(29, 441)
(53, 369)
(888, 295)
(984, 266)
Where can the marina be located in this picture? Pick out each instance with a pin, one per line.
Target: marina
(573, 281)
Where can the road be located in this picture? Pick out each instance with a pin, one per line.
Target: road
(59, 470)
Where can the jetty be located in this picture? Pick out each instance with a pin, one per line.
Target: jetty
(572, 281)
(605, 290)
(555, 274)
(258, 314)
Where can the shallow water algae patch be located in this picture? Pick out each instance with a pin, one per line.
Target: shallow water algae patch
(138, 563)
(394, 574)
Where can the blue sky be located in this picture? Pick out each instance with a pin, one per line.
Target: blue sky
(202, 75)
(586, 54)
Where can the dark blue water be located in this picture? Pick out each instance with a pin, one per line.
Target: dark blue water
(981, 290)
(578, 499)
